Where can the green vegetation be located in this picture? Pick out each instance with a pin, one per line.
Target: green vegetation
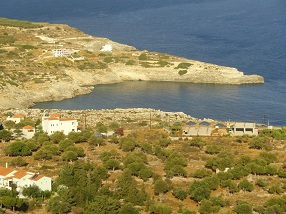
(141, 170)
(143, 56)
(183, 65)
(38, 80)
(28, 47)
(6, 39)
(149, 157)
(17, 23)
(182, 72)
(130, 62)
(279, 134)
(91, 65)
(145, 64)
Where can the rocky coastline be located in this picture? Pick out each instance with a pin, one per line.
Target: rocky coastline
(31, 72)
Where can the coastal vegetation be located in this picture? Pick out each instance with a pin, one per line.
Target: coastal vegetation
(146, 171)
(18, 23)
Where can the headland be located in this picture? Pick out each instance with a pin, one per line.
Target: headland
(43, 62)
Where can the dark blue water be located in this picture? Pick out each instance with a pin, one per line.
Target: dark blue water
(246, 34)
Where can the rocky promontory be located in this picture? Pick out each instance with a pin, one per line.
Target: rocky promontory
(41, 62)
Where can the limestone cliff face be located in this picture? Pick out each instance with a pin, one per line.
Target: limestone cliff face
(31, 72)
(198, 73)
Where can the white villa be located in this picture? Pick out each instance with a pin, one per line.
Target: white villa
(16, 117)
(22, 178)
(54, 123)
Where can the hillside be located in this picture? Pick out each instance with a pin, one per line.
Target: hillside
(30, 71)
(145, 170)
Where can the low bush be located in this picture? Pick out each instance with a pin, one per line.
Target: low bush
(182, 72)
(183, 65)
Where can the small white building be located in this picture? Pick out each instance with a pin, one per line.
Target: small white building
(54, 123)
(61, 52)
(16, 117)
(28, 131)
(22, 178)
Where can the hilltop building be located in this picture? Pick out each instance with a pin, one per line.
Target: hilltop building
(54, 123)
(61, 52)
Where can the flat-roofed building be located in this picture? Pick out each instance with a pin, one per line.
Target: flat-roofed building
(242, 128)
(54, 123)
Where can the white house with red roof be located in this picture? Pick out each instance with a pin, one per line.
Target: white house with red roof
(54, 123)
(28, 131)
(22, 178)
(16, 117)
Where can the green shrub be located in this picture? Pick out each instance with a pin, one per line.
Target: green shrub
(180, 193)
(28, 47)
(38, 80)
(5, 39)
(182, 72)
(145, 64)
(245, 185)
(183, 65)
(130, 62)
(261, 182)
(163, 63)
(243, 208)
(275, 189)
(143, 56)
(108, 59)
(213, 149)
(202, 173)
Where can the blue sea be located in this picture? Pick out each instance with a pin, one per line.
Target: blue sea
(247, 34)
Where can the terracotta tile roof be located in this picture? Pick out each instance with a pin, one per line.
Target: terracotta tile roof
(18, 116)
(51, 118)
(66, 119)
(8, 178)
(20, 174)
(55, 115)
(5, 171)
(36, 178)
(28, 127)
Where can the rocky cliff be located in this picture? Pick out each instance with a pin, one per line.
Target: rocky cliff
(42, 62)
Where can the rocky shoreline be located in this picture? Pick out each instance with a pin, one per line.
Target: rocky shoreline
(32, 73)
